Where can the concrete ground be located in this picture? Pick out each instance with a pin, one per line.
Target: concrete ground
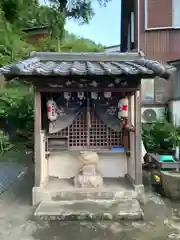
(17, 223)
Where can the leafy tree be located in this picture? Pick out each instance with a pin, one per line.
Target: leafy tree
(11, 9)
(70, 43)
(12, 44)
(80, 10)
(29, 13)
(16, 101)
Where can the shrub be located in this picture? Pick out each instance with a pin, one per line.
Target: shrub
(160, 137)
(16, 106)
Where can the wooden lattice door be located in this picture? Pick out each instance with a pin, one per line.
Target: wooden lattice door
(87, 132)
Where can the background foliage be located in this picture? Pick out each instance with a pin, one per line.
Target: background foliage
(160, 137)
(16, 97)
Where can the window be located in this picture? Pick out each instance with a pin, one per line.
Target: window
(161, 91)
(154, 91)
(147, 91)
(175, 13)
(168, 18)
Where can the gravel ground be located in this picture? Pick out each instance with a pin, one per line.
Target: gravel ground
(16, 221)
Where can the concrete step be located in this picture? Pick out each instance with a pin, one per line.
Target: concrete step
(101, 194)
(89, 210)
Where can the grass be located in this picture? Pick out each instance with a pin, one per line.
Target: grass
(18, 154)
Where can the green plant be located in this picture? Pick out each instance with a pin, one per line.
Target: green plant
(160, 137)
(21, 113)
(5, 144)
(16, 106)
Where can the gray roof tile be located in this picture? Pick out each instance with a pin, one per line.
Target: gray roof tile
(63, 64)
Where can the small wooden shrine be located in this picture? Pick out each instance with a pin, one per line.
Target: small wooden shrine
(87, 113)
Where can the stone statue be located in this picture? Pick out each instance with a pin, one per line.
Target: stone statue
(88, 176)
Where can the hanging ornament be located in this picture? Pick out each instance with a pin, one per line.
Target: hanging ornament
(123, 122)
(123, 108)
(67, 95)
(52, 110)
(107, 94)
(94, 95)
(80, 95)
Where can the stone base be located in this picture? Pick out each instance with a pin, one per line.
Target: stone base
(57, 190)
(85, 181)
(90, 210)
(170, 183)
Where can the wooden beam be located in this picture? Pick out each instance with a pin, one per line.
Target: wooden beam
(37, 137)
(123, 90)
(138, 164)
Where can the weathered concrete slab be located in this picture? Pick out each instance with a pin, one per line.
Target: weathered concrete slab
(90, 210)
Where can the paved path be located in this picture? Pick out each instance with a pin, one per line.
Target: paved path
(9, 172)
(16, 221)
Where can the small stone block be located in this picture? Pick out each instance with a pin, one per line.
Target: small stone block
(89, 170)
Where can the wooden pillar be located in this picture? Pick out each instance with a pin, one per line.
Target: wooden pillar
(138, 164)
(37, 137)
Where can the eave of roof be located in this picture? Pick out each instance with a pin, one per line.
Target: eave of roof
(81, 64)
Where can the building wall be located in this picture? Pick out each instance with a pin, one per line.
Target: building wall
(159, 40)
(161, 44)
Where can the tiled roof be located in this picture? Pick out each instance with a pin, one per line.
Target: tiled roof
(64, 64)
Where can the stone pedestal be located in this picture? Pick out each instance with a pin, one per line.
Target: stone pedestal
(88, 176)
(170, 181)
